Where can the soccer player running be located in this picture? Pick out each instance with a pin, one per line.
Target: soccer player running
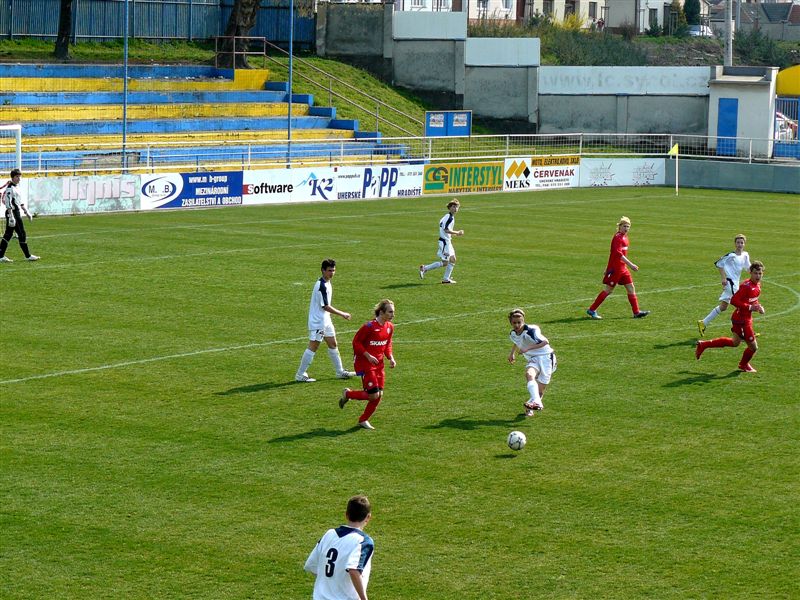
(13, 208)
(446, 252)
(730, 269)
(745, 301)
(371, 343)
(529, 341)
(617, 272)
(320, 325)
(342, 559)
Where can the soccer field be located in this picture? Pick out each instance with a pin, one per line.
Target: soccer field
(153, 443)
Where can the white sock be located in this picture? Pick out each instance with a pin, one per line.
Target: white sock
(433, 265)
(533, 390)
(336, 359)
(305, 362)
(712, 315)
(449, 270)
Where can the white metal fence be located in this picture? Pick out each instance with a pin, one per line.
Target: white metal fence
(50, 158)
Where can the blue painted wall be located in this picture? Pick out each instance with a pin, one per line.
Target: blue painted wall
(151, 20)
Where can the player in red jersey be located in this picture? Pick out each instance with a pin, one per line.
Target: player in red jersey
(746, 302)
(617, 272)
(371, 343)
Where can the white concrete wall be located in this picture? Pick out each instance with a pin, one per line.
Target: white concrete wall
(580, 81)
(755, 115)
(423, 26)
(507, 52)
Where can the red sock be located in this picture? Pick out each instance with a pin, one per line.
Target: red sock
(357, 395)
(599, 300)
(371, 406)
(746, 356)
(634, 303)
(718, 343)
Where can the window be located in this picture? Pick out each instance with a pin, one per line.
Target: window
(507, 4)
(418, 3)
(547, 7)
(593, 10)
(653, 17)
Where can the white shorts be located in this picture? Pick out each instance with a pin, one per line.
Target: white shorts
(317, 335)
(445, 250)
(545, 365)
(730, 289)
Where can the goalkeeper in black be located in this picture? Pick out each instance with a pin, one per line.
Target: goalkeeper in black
(13, 208)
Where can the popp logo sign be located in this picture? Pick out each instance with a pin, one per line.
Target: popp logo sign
(379, 184)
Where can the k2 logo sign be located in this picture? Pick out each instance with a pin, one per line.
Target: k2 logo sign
(321, 187)
(380, 184)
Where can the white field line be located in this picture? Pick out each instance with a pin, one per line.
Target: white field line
(515, 206)
(181, 355)
(143, 259)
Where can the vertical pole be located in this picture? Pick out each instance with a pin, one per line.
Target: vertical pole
(728, 35)
(291, 65)
(125, 91)
(676, 172)
(377, 119)
(18, 143)
(190, 20)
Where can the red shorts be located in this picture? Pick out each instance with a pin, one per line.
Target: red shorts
(372, 377)
(617, 277)
(744, 330)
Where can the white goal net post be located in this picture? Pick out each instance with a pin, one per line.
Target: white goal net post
(10, 147)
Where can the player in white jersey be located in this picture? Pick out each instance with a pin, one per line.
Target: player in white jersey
(730, 267)
(445, 252)
(529, 341)
(13, 208)
(320, 326)
(342, 559)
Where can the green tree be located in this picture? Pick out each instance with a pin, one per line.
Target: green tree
(678, 25)
(691, 9)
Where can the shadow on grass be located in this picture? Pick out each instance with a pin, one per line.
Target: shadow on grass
(506, 455)
(257, 387)
(566, 320)
(315, 433)
(701, 378)
(399, 286)
(471, 424)
(691, 342)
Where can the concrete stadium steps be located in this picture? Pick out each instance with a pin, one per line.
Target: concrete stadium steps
(82, 142)
(158, 126)
(149, 97)
(104, 112)
(237, 156)
(138, 80)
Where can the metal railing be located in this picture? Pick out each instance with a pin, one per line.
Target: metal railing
(360, 94)
(49, 159)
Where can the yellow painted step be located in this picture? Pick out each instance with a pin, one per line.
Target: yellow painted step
(113, 112)
(138, 140)
(243, 79)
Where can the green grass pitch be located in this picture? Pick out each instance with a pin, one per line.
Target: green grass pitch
(153, 444)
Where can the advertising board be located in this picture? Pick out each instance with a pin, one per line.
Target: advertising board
(79, 195)
(541, 173)
(191, 190)
(455, 178)
(611, 172)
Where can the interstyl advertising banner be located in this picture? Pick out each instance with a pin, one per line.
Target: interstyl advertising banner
(456, 178)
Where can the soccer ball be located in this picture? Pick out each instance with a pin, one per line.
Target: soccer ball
(517, 440)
